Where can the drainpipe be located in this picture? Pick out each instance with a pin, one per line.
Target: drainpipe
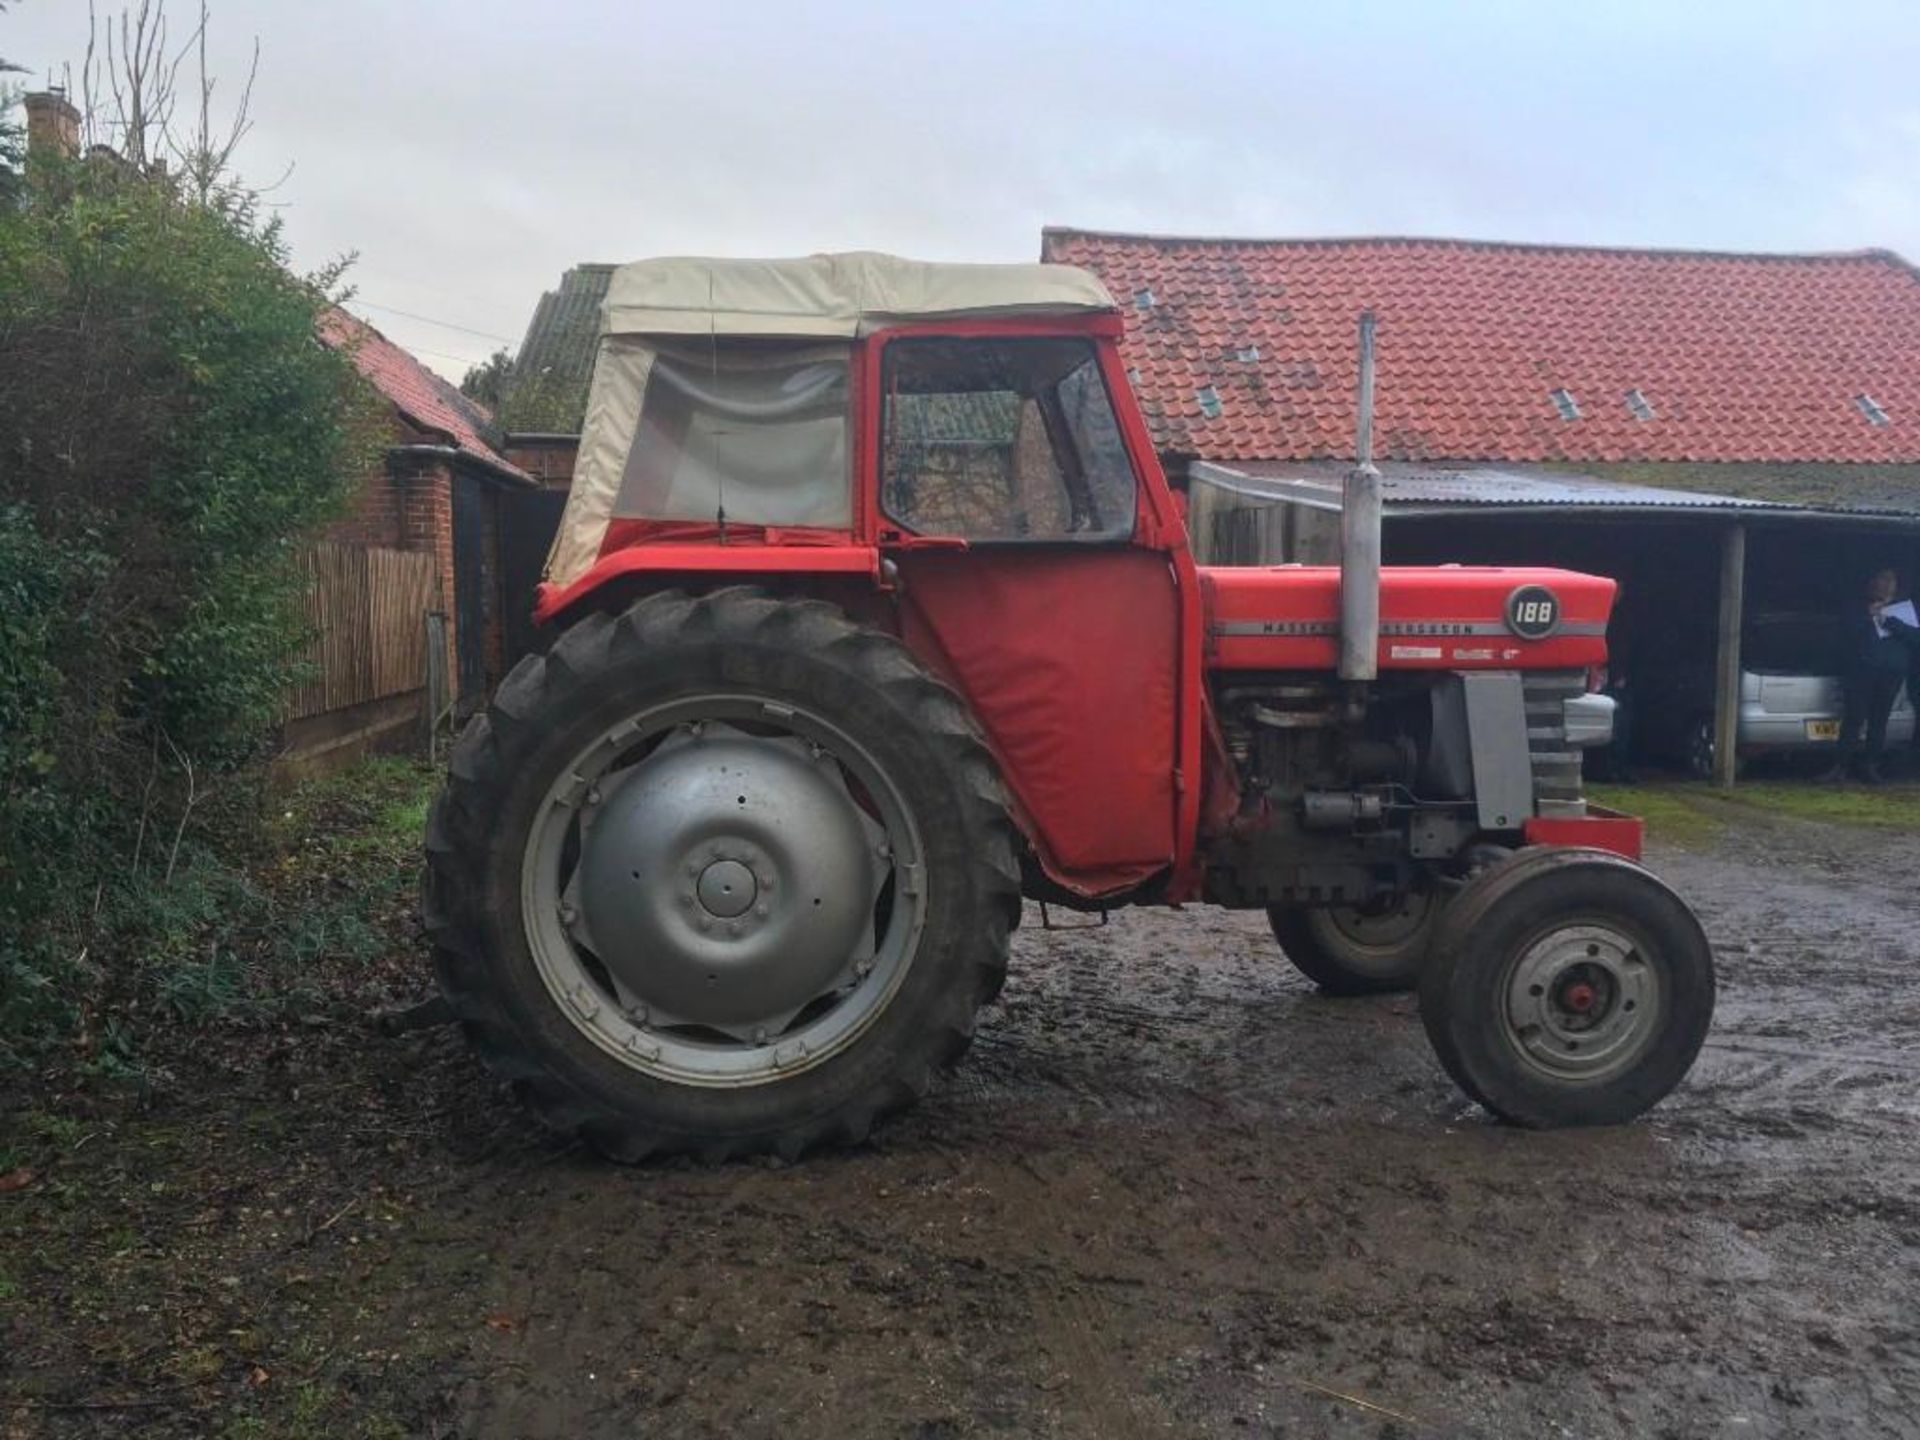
(1360, 536)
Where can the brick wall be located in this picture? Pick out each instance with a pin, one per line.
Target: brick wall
(407, 504)
(548, 458)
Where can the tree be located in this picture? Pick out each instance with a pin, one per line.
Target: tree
(12, 138)
(170, 433)
(488, 383)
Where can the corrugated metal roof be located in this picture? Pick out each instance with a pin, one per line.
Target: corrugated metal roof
(1408, 488)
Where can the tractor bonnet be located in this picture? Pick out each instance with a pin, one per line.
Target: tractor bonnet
(686, 425)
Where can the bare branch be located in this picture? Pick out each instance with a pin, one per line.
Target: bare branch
(129, 92)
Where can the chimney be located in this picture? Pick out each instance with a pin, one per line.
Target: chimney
(53, 125)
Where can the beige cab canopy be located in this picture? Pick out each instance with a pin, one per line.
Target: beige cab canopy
(683, 426)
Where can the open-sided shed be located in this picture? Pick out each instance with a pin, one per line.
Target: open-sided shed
(1691, 565)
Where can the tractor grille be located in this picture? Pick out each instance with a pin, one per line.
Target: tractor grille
(1556, 765)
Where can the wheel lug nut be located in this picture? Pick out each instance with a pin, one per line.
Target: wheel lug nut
(761, 911)
(568, 914)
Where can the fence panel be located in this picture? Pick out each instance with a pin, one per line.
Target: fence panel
(366, 607)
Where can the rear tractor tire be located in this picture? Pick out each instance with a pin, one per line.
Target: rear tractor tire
(723, 875)
(1567, 987)
(1377, 949)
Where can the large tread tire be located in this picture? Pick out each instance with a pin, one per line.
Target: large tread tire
(1340, 965)
(1496, 918)
(738, 640)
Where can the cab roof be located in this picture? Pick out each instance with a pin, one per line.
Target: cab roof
(838, 296)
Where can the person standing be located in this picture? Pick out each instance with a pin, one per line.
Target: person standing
(1878, 659)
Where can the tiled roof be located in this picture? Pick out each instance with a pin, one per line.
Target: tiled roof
(1664, 355)
(556, 356)
(420, 395)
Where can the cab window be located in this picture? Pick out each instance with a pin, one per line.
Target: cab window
(1003, 440)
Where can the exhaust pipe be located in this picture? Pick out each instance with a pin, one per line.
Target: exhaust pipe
(1360, 536)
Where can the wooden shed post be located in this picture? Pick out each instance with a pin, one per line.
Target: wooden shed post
(1726, 699)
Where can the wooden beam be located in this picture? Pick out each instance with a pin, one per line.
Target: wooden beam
(1726, 699)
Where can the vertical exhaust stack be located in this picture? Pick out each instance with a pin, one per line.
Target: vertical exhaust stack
(1360, 536)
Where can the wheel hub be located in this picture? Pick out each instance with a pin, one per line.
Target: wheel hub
(1582, 1002)
(727, 889)
(728, 879)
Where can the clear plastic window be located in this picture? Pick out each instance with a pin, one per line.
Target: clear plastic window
(1003, 440)
(749, 436)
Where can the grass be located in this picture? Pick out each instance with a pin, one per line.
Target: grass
(1677, 814)
(1691, 814)
(1872, 807)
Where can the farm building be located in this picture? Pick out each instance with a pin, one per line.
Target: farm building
(411, 581)
(1728, 435)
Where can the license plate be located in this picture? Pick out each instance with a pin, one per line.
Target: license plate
(1823, 729)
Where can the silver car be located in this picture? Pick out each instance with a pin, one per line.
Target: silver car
(1791, 696)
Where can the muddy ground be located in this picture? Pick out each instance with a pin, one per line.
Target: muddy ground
(1172, 1192)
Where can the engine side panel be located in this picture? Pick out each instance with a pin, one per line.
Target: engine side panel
(1440, 617)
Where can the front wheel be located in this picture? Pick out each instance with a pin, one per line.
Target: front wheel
(1373, 949)
(1567, 987)
(726, 874)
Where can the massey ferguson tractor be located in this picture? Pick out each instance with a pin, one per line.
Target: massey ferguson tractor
(874, 614)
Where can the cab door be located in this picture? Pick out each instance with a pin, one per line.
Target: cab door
(1035, 574)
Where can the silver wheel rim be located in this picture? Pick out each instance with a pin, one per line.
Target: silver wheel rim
(1375, 939)
(1582, 1002)
(723, 891)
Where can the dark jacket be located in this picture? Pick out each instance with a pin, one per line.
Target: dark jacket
(1869, 650)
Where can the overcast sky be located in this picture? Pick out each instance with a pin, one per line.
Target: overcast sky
(470, 150)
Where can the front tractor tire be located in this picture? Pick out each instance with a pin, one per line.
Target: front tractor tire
(1567, 987)
(1375, 949)
(720, 875)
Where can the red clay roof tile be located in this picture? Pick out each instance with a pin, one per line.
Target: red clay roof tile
(1741, 357)
(419, 394)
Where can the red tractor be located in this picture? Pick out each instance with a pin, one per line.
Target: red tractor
(875, 614)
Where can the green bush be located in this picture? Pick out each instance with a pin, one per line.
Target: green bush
(170, 433)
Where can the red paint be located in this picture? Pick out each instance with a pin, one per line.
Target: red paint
(1087, 666)
(1435, 602)
(1598, 829)
(1069, 661)
(668, 559)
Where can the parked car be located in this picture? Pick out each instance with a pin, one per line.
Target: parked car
(1790, 695)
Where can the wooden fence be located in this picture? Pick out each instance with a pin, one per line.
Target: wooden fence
(368, 607)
